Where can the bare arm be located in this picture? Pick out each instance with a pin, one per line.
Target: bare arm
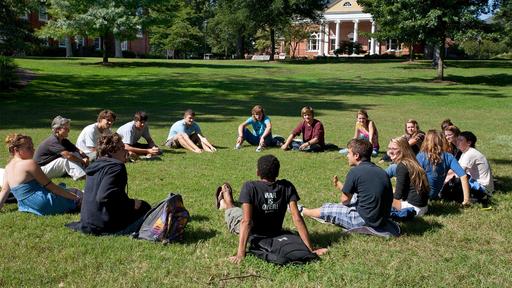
(241, 132)
(355, 132)
(298, 221)
(267, 131)
(308, 143)
(42, 179)
(371, 131)
(136, 150)
(4, 193)
(288, 141)
(245, 229)
(344, 198)
(465, 189)
(72, 157)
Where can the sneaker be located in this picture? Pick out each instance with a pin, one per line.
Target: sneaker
(259, 149)
(238, 146)
(343, 151)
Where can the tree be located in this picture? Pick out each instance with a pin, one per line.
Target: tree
(16, 33)
(275, 14)
(231, 29)
(434, 21)
(503, 20)
(294, 33)
(179, 25)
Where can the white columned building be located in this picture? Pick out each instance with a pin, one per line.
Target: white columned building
(338, 33)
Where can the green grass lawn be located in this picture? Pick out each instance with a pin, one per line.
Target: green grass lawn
(449, 247)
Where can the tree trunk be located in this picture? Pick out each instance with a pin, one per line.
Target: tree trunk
(69, 48)
(272, 43)
(104, 45)
(440, 62)
(119, 51)
(411, 52)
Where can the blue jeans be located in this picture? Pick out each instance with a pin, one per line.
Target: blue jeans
(312, 148)
(255, 140)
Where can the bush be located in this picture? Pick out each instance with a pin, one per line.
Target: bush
(8, 77)
(348, 48)
(484, 49)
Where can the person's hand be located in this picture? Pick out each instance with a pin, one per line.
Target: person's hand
(466, 204)
(85, 161)
(262, 142)
(137, 204)
(237, 259)
(320, 251)
(284, 146)
(153, 151)
(336, 182)
(239, 140)
(304, 146)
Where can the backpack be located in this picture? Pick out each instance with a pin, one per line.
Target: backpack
(282, 249)
(166, 221)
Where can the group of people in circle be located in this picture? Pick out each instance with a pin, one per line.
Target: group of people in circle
(432, 165)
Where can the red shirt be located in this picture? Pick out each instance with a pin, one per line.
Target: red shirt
(316, 130)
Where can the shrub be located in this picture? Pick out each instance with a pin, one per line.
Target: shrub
(8, 77)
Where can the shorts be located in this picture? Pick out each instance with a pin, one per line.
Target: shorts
(341, 215)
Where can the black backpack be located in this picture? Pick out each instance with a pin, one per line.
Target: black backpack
(166, 221)
(282, 249)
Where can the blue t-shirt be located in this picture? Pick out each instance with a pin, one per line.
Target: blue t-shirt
(258, 126)
(437, 174)
(180, 127)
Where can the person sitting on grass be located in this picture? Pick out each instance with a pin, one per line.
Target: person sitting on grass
(33, 190)
(366, 195)
(264, 205)
(57, 156)
(365, 129)
(187, 134)
(88, 138)
(312, 132)
(452, 134)
(411, 189)
(106, 207)
(262, 131)
(477, 168)
(436, 162)
(133, 131)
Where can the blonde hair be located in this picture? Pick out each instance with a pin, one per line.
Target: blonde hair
(307, 110)
(434, 145)
(16, 141)
(405, 156)
(256, 109)
(416, 125)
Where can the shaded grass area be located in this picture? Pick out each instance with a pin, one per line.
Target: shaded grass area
(449, 247)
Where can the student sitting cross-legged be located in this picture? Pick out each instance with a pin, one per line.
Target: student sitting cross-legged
(371, 185)
(133, 131)
(264, 205)
(187, 134)
(312, 132)
(88, 138)
(106, 207)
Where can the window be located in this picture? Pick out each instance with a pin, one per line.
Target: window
(347, 4)
(350, 37)
(312, 42)
(392, 45)
(43, 15)
(97, 43)
(140, 33)
(333, 43)
(124, 45)
(80, 41)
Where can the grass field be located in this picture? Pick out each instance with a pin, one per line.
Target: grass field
(450, 247)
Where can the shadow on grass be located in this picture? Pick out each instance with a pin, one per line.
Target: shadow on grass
(481, 64)
(199, 218)
(215, 99)
(195, 235)
(501, 79)
(439, 208)
(503, 184)
(418, 226)
(324, 239)
(173, 64)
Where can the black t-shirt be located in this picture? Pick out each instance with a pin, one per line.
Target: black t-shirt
(405, 189)
(51, 148)
(269, 203)
(374, 192)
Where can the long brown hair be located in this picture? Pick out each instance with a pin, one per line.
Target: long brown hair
(406, 156)
(434, 145)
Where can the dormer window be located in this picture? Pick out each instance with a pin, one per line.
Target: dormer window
(347, 4)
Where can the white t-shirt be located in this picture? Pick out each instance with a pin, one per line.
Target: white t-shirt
(131, 134)
(88, 138)
(476, 165)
